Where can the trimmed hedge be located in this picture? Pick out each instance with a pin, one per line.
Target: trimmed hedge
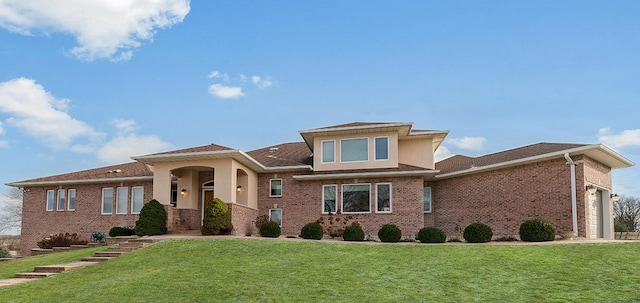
(152, 219)
(217, 219)
(537, 230)
(431, 235)
(389, 233)
(118, 231)
(312, 230)
(353, 232)
(477, 233)
(270, 229)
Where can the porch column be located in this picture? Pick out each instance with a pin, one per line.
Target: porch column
(162, 185)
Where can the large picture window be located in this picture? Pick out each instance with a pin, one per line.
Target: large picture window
(275, 188)
(122, 197)
(356, 198)
(382, 148)
(107, 201)
(352, 150)
(137, 199)
(61, 199)
(427, 200)
(51, 199)
(71, 205)
(328, 151)
(383, 197)
(329, 198)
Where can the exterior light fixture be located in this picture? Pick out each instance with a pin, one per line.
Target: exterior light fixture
(239, 188)
(615, 197)
(183, 192)
(592, 189)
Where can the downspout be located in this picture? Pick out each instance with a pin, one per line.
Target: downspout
(574, 198)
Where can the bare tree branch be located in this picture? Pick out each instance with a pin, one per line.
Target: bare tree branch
(11, 210)
(627, 211)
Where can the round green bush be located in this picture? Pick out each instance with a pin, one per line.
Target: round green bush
(389, 233)
(477, 233)
(217, 219)
(353, 232)
(270, 229)
(118, 231)
(431, 235)
(312, 230)
(152, 219)
(620, 227)
(4, 252)
(537, 230)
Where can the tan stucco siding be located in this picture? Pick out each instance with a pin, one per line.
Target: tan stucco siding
(417, 152)
(338, 164)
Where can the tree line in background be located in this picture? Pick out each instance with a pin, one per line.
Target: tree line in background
(11, 211)
(626, 212)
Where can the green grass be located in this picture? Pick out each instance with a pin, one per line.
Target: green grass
(8, 269)
(317, 271)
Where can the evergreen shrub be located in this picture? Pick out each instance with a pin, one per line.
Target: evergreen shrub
(477, 233)
(431, 235)
(270, 229)
(537, 230)
(389, 233)
(312, 230)
(152, 219)
(118, 231)
(353, 232)
(217, 219)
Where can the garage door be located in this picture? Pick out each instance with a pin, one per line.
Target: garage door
(595, 215)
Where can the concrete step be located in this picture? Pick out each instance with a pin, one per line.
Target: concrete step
(34, 275)
(132, 244)
(108, 254)
(50, 269)
(144, 240)
(96, 259)
(121, 249)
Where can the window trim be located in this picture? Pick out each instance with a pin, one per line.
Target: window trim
(276, 209)
(323, 151)
(342, 199)
(430, 200)
(141, 188)
(61, 197)
(126, 201)
(51, 203)
(375, 150)
(69, 191)
(271, 187)
(390, 198)
(102, 203)
(354, 161)
(335, 200)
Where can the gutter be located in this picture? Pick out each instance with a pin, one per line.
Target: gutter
(85, 181)
(574, 197)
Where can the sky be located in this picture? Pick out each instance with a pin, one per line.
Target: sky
(87, 83)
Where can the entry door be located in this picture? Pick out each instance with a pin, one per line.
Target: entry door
(207, 195)
(595, 215)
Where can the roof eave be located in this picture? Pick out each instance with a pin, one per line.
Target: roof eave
(79, 181)
(426, 174)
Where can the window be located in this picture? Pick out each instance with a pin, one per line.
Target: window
(354, 150)
(356, 198)
(137, 198)
(72, 200)
(275, 188)
(275, 215)
(60, 200)
(382, 148)
(383, 197)
(328, 151)
(329, 197)
(51, 199)
(107, 201)
(122, 197)
(427, 200)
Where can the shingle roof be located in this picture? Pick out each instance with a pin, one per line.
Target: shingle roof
(203, 148)
(286, 154)
(126, 170)
(459, 162)
(353, 124)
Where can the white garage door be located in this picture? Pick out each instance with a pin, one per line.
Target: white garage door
(595, 215)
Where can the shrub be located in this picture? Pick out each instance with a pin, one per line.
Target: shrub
(620, 227)
(270, 229)
(152, 219)
(261, 220)
(4, 252)
(60, 240)
(121, 231)
(389, 233)
(431, 235)
(477, 233)
(312, 230)
(334, 223)
(537, 230)
(217, 219)
(353, 232)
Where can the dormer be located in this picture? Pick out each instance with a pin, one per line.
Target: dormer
(372, 145)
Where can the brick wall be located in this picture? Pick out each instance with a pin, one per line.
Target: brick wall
(243, 218)
(301, 203)
(37, 223)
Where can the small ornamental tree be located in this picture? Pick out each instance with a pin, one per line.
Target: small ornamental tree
(477, 233)
(217, 219)
(312, 230)
(537, 230)
(389, 233)
(152, 219)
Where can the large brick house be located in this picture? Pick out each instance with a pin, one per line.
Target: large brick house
(373, 173)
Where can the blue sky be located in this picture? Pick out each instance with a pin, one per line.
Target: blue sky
(85, 84)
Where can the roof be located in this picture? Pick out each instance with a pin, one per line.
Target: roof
(283, 155)
(132, 171)
(203, 148)
(460, 165)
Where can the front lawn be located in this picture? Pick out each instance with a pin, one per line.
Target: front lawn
(318, 271)
(8, 269)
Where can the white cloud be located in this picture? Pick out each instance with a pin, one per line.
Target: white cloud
(40, 115)
(102, 29)
(260, 83)
(218, 75)
(629, 137)
(1, 129)
(122, 148)
(226, 92)
(468, 143)
(125, 126)
(442, 153)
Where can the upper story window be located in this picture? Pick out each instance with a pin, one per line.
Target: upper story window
(328, 151)
(61, 199)
(382, 148)
(275, 188)
(71, 205)
(352, 150)
(51, 199)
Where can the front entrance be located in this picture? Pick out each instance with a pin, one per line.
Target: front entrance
(207, 195)
(595, 215)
